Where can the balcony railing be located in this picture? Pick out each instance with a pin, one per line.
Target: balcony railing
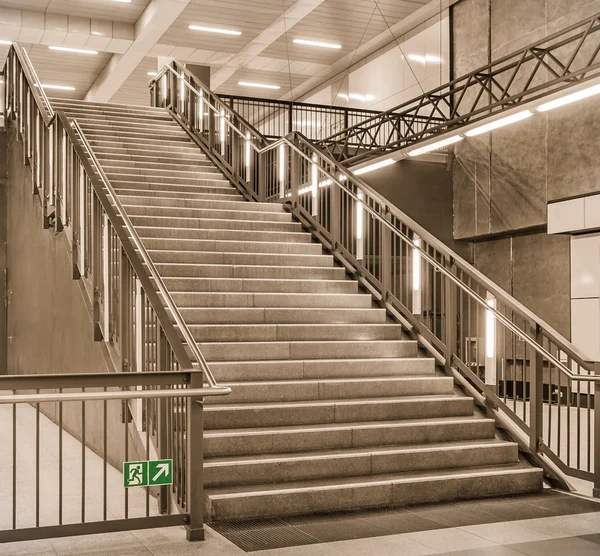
(531, 379)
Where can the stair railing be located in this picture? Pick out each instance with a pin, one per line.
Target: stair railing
(532, 379)
(118, 278)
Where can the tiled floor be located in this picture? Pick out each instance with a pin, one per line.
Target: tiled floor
(564, 530)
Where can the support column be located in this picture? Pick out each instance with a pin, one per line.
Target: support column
(3, 258)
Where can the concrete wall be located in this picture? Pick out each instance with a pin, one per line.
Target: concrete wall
(423, 191)
(503, 179)
(50, 320)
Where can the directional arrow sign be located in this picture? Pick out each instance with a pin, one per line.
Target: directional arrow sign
(148, 473)
(160, 472)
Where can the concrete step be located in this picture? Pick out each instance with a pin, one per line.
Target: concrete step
(303, 369)
(138, 112)
(107, 106)
(230, 416)
(255, 259)
(181, 270)
(219, 187)
(215, 223)
(325, 464)
(116, 117)
(176, 232)
(225, 195)
(156, 141)
(344, 436)
(149, 163)
(208, 213)
(158, 170)
(392, 489)
(304, 350)
(265, 391)
(241, 299)
(165, 200)
(143, 159)
(134, 129)
(161, 149)
(209, 178)
(229, 246)
(224, 315)
(295, 332)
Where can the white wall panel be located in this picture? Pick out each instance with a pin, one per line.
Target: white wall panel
(585, 326)
(585, 266)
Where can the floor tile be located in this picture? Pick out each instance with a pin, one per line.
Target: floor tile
(561, 526)
(117, 542)
(401, 521)
(558, 547)
(449, 540)
(393, 545)
(39, 548)
(485, 551)
(312, 550)
(506, 533)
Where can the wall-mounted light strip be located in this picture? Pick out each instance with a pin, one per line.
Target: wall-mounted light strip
(57, 87)
(214, 30)
(568, 99)
(371, 167)
(359, 228)
(318, 43)
(513, 118)
(281, 167)
(258, 85)
(74, 50)
(435, 146)
(152, 73)
(123, 1)
(427, 58)
(314, 184)
(416, 276)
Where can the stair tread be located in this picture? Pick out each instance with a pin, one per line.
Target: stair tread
(353, 452)
(322, 427)
(239, 491)
(333, 380)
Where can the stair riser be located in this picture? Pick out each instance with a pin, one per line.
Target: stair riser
(197, 172)
(214, 224)
(282, 471)
(295, 332)
(199, 203)
(228, 235)
(260, 259)
(146, 193)
(376, 434)
(373, 495)
(261, 351)
(115, 117)
(342, 390)
(270, 300)
(143, 158)
(281, 316)
(146, 163)
(216, 417)
(209, 214)
(160, 149)
(136, 126)
(201, 178)
(168, 133)
(309, 369)
(198, 188)
(234, 246)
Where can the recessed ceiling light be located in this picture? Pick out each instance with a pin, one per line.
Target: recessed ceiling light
(76, 50)
(214, 30)
(57, 87)
(123, 1)
(318, 43)
(258, 85)
(6, 42)
(151, 73)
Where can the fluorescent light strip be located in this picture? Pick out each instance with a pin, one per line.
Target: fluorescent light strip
(519, 116)
(428, 58)
(123, 1)
(57, 87)
(258, 85)
(436, 146)
(372, 167)
(214, 30)
(568, 99)
(6, 42)
(490, 330)
(318, 43)
(152, 73)
(75, 50)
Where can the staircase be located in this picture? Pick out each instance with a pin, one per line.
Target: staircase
(332, 407)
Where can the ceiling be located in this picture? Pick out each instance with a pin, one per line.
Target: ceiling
(130, 37)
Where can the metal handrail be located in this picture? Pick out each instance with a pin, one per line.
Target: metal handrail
(120, 395)
(155, 275)
(38, 94)
(340, 170)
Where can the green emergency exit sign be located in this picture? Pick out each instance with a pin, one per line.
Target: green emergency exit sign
(147, 473)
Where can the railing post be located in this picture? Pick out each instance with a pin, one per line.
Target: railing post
(162, 440)
(294, 176)
(211, 128)
(536, 394)
(451, 314)
(194, 463)
(334, 213)
(596, 490)
(235, 148)
(386, 258)
(262, 176)
(290, 118)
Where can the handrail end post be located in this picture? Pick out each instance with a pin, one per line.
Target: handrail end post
(596, 490)
(195, 454)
